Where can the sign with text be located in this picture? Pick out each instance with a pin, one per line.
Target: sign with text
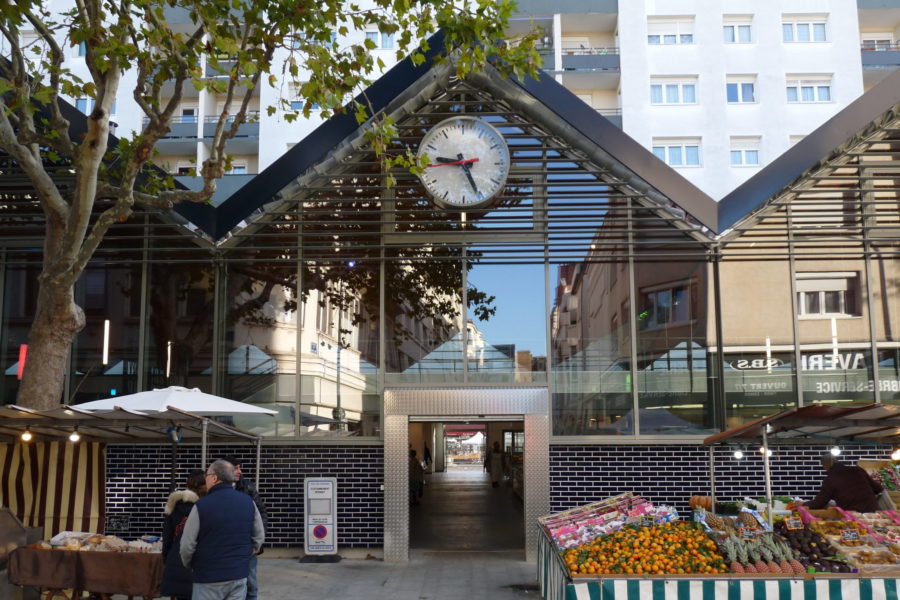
(849, 535)
(320, 515)
(793, 522)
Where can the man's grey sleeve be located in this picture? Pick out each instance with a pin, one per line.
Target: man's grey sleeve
(258, 534)
(189, 537)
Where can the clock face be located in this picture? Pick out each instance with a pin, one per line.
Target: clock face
(468, 162)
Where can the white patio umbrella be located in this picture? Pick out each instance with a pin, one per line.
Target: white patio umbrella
(189, 400)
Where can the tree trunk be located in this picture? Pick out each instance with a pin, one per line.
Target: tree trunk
(57, 320)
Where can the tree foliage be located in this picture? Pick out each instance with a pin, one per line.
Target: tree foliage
(163, 46)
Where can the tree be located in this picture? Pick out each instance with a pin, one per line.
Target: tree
(242, 42)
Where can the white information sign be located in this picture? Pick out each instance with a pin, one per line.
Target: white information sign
(320, 515)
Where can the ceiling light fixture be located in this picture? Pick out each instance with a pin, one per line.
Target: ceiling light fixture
(26, 435)
(74, 437)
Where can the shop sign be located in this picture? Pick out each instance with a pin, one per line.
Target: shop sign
(793, 522)
(833, 361)
(748, 533)
(756, 364)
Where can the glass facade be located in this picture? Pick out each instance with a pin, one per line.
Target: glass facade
(639, 321)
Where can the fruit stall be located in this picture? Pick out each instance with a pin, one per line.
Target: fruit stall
(626, 547)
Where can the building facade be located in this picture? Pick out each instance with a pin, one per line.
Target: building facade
(604, 300)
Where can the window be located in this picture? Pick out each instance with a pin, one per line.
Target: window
(827, 294)
(804, 29)
(665, 306)
(809, 90)
(188, 115)
(81, 49)
(670, 31)
(678, 153)
(237, 169)
(737, 31)
(84, 105)
(745, 151)
(878, 41)
(741, 90)
(382, 41)
(185, 170)
(665, 91)
(793, 139)
(297, 104)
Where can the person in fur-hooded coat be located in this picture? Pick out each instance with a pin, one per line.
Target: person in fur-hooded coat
(177, 581)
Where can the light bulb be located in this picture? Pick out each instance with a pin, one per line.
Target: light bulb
(74, 437)
(895, 455)
(738, 454)
(26, 436)
(835, 451)
(762, 450)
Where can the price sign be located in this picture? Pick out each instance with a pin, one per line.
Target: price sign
(748, 533)
(648, 521)
(793, 523)
(849, 535)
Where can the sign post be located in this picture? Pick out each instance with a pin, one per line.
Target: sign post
(320, 515)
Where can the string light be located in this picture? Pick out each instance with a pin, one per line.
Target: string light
(74, 437)
(762, 450)
(739, 454)
(895, 455)
(835, 451)
(26, 435)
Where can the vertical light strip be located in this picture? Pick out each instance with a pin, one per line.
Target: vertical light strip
(106, 342)
(768, 355)
(168, 358)
(834, 340)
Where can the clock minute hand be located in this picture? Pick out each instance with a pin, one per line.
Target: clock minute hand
(467, 168)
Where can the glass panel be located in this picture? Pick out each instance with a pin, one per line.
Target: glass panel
(803, 32)
(19, 298)
(591, 353)
(653, 39)
(736, 157)
(507, 340)
(731, 90)
(110, 298)
(757, 338)
(792, 94)
(660, 152)
(787, 32)
(687, 38)
(747, 93)
(672, 93)
(672, 316)
(751, 157)
(808, 93)
(693, 155)
(811, 304)
(669, 39)
(729, 34)
(833, 303)
(744, 34)
(689, 92)
(674, 155)
(824, 93)
(656, 94)
(819, 32)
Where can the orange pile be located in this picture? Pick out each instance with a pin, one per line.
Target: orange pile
(669, 549)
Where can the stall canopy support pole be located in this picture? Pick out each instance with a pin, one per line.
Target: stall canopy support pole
(712, 479)
(258, 461)
(768, 474)
(204, 427)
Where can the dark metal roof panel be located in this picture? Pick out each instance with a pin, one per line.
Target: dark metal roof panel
(818, 145)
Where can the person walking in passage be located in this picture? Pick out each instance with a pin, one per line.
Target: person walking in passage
(176, 581)
(222, 532)
(494, 464)
(416, 478)
(242, 485)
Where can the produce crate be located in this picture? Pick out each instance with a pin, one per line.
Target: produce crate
(828, 514)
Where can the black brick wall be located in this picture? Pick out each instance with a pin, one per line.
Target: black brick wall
(672, 474)
(138, 484)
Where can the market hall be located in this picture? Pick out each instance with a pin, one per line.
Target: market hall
(636, 315)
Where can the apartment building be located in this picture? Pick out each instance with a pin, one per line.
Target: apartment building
(717, 89)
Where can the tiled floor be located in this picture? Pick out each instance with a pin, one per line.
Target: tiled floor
(467, 541)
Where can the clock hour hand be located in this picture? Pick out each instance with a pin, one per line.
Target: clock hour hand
(466, 166)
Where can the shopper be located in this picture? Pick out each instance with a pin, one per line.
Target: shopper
(427, 456)
(850, 487)
(495, 464)
(222, 532)
(242, 485)
(176, 581)
(416, 478)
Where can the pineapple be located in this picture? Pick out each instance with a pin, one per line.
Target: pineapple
(741, 548)
(769, 557)
(779, 551)
(756, 556)
(730, 553)
(714, 521)
(745, 519)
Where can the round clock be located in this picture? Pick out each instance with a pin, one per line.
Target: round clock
(468, 162)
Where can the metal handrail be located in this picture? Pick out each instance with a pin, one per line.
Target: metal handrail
(609, 112)
(880, 47)
(590, 51)
(252, 115)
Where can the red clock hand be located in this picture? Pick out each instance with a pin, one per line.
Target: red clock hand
(465, 161)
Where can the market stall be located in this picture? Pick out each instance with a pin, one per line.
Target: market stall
(624, 547)
(54, 478)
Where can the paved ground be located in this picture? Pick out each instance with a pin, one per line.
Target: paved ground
(429, 575)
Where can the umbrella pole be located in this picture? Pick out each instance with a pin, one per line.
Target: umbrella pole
(768, 474)
(172, 467)
(258, 457)
(204, 427)
(712, 479)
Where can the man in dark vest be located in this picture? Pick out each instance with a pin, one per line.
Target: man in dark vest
(850, 487)
(222, 532)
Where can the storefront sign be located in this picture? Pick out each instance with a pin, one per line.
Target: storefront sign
(833, 362)
(321, 515)
(756, 364)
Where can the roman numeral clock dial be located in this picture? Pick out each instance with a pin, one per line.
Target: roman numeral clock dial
(468, 163)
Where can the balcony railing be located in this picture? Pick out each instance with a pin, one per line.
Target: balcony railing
(880, 46)
(584, 51)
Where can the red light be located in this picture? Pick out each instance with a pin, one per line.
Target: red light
(23, 353)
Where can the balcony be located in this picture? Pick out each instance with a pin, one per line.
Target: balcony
(878, 61)
(613, 115)
(246, 130)
(580, 59)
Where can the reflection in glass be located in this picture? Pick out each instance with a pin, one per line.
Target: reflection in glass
(18, 302)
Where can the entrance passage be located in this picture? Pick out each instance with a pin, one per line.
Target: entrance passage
(464, 507)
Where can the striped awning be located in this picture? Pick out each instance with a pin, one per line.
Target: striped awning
(859, 588)
(59, 486)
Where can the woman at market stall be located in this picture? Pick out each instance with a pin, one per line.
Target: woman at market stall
(177, 581)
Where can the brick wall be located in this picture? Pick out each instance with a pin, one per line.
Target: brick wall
(672, 474)
(138, 485)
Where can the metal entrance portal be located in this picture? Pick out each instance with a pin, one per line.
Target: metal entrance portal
(400, 404)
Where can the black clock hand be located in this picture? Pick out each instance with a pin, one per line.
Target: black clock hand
(467, 168)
